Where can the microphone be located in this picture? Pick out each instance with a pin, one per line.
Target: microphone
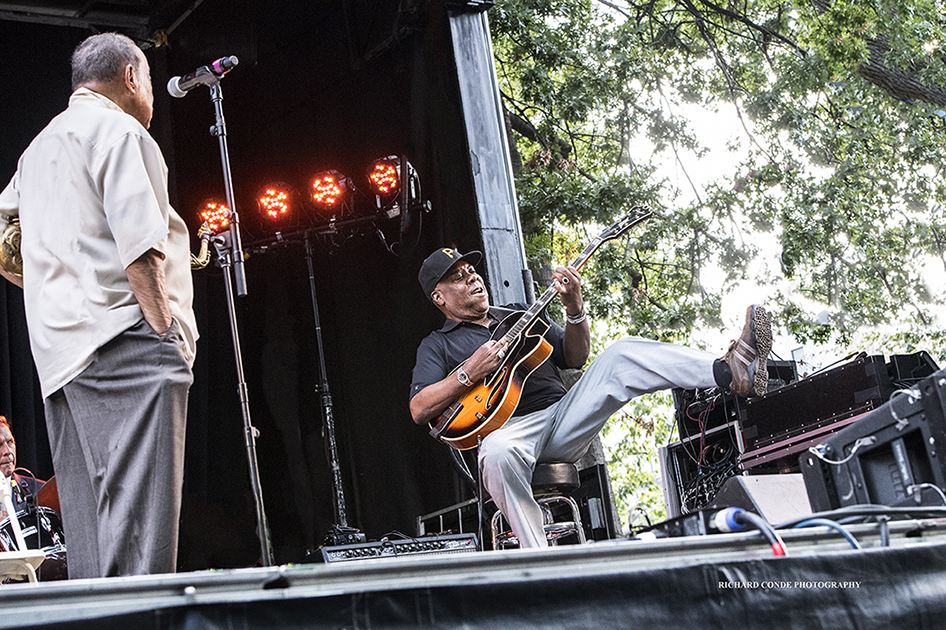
(204, 75)
(22, 494)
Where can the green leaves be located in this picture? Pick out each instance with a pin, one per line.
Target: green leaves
(846, 176)
(632, 461)
(835, 200)
(838, 32)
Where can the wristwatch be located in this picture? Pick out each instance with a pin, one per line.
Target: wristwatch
(463, 377)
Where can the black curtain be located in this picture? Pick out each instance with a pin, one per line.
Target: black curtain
(319, 85)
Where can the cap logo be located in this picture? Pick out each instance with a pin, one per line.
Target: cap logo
(448, 252)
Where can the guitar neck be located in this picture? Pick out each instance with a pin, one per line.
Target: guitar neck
(621, 226)
(539, 305)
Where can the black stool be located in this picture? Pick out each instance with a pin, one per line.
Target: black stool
(551, 484)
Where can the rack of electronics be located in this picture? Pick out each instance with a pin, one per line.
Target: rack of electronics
(722, 436)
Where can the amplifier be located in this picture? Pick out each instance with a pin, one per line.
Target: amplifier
(401, 548)
(815, 403)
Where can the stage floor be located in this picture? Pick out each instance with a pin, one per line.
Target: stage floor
(718, 581)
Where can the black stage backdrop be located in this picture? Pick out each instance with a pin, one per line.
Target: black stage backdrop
(319, 85)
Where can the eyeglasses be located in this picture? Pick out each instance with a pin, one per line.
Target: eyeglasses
(460, 275)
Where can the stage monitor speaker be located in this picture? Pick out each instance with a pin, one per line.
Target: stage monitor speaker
(906, 369)
(401, 548)
(776, 498)
(889, 457)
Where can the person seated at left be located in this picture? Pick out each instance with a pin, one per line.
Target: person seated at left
(23, 486)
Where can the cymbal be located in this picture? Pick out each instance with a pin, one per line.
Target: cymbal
(48, 496)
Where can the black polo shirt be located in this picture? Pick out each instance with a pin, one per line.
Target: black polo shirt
(443, 350)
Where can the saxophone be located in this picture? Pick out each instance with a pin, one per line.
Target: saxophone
(200, 260)
(11, 258)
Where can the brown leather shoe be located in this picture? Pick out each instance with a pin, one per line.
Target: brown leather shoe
(748, 355)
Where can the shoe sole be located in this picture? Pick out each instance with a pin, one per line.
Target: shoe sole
(762, 340)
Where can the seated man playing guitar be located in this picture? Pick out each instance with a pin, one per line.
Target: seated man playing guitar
(541, 421)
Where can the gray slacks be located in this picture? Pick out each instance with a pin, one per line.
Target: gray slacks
(116, 432)
(562, 432)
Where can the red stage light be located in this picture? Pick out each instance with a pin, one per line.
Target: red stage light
(331, 194)
(329, 189)
(216, 215)
(385, 176)
(275, 201)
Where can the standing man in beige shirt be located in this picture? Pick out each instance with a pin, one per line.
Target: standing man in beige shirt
(108, 295)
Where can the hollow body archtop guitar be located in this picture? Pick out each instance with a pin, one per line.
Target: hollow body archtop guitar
(490, 402)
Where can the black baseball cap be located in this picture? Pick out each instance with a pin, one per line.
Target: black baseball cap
(439, 263)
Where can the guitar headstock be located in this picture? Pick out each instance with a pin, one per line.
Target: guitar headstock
(637, 215)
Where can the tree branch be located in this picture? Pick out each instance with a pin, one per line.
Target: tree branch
(611, 5)
(919, 311)
(939, 244)
(752, 25)
(903, 84)
(673, 146)
(645, 292)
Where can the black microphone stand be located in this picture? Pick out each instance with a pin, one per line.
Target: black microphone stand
(328, 419)
(230, 257)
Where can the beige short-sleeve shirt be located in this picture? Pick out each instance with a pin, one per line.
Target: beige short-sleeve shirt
(91, 194)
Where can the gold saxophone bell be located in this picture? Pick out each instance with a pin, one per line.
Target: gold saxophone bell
(11, 256)
(203, 256)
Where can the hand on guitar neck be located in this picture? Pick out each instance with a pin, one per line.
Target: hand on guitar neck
(577, 343)
(567, 283)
